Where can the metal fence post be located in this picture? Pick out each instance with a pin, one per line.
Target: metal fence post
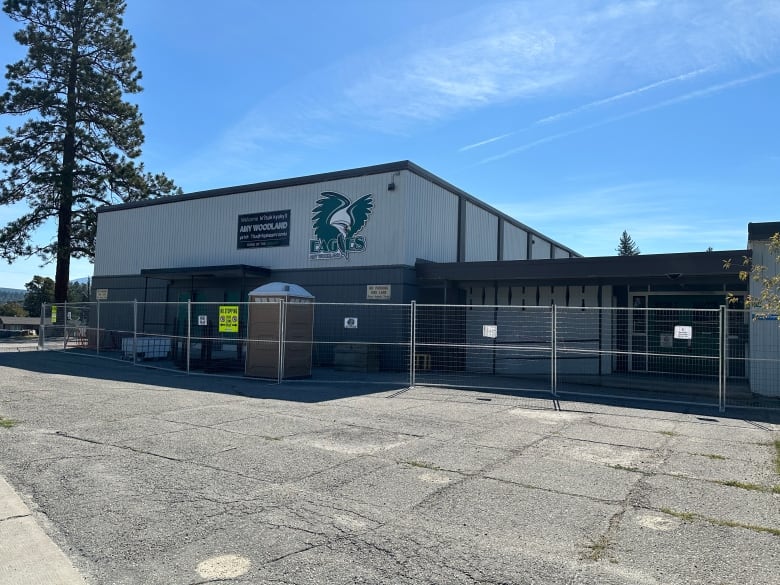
(135, 328)
(412, 342)
(189, 331)
(280, 364)
(42, 336)
(97, 333)
(65, 325)
(554, 349)
(722, 357)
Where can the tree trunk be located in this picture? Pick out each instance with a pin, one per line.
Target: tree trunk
(65, 211)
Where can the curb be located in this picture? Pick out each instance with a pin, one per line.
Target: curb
(27, 555)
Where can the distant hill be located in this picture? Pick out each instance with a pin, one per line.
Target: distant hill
(8, 295)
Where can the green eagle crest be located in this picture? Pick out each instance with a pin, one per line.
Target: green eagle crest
(336, 218)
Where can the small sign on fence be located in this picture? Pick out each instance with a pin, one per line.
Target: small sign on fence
(350, 323)
(203, 320)
(228, 319)
(53, 315)
(683, 332)
(490, 331)
(101, 294)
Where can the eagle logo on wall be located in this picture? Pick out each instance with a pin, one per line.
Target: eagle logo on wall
(337, 221)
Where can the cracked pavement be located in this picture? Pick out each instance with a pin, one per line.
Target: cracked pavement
(150, 477)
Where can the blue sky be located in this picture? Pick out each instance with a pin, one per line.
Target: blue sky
(579, 118)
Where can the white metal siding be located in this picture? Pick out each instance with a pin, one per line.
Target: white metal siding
(431, 221)
(559, 253)
(481, 234)
(203, 232)
(541, 249)
(515, 243)
(764, 333)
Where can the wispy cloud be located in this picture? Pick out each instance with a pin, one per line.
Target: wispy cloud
(623, 95)
(501, 53)
(700, 93)
(487, 141)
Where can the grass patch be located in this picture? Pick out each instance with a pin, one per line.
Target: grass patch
(690, 517)
(687, 516)
(775, 489)
(597, 549)
(743, 485)
(7, 423)
(423, 465)
(753, 527)
(625, 468)
(711, 456)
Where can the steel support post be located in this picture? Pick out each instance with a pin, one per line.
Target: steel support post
(554, 350)
(412, 342)
(189, 332)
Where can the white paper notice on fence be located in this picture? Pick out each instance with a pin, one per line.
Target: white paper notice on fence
(350, 322)
(490, 331)
(203, 320)
(683, 332)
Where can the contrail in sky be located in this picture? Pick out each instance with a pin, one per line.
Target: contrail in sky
(672, 101)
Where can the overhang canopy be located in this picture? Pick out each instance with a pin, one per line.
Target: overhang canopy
(699, 267)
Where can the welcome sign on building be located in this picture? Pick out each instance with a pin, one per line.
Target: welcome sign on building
(264, 229)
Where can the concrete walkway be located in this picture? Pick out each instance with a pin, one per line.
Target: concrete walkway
(27, 555)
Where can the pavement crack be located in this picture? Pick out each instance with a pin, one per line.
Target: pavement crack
(15, 517)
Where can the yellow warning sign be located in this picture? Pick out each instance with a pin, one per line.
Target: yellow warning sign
(54, 315)
(228, 318)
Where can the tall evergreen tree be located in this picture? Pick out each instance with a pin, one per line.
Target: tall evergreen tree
(627, 246)
(74, 150)
(39, 290)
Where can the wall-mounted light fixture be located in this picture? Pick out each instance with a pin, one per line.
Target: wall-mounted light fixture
(391, 184)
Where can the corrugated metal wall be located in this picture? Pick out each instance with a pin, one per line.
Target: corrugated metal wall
(431, 221)
(541, 249)
(764, 332)
(203, 232)
(515, 243)
(415, 219)
(481, 234)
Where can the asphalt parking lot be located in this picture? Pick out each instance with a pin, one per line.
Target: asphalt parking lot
(149, 477)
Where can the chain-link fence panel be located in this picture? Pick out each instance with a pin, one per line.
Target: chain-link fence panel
(361, 342)
(670, 355)
(484, 347)
(690, 356)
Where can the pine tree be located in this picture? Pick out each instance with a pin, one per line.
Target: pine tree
(39, 290)
(627, 246)
(74, 150)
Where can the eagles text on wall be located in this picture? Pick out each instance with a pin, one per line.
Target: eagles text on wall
(337, 221)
